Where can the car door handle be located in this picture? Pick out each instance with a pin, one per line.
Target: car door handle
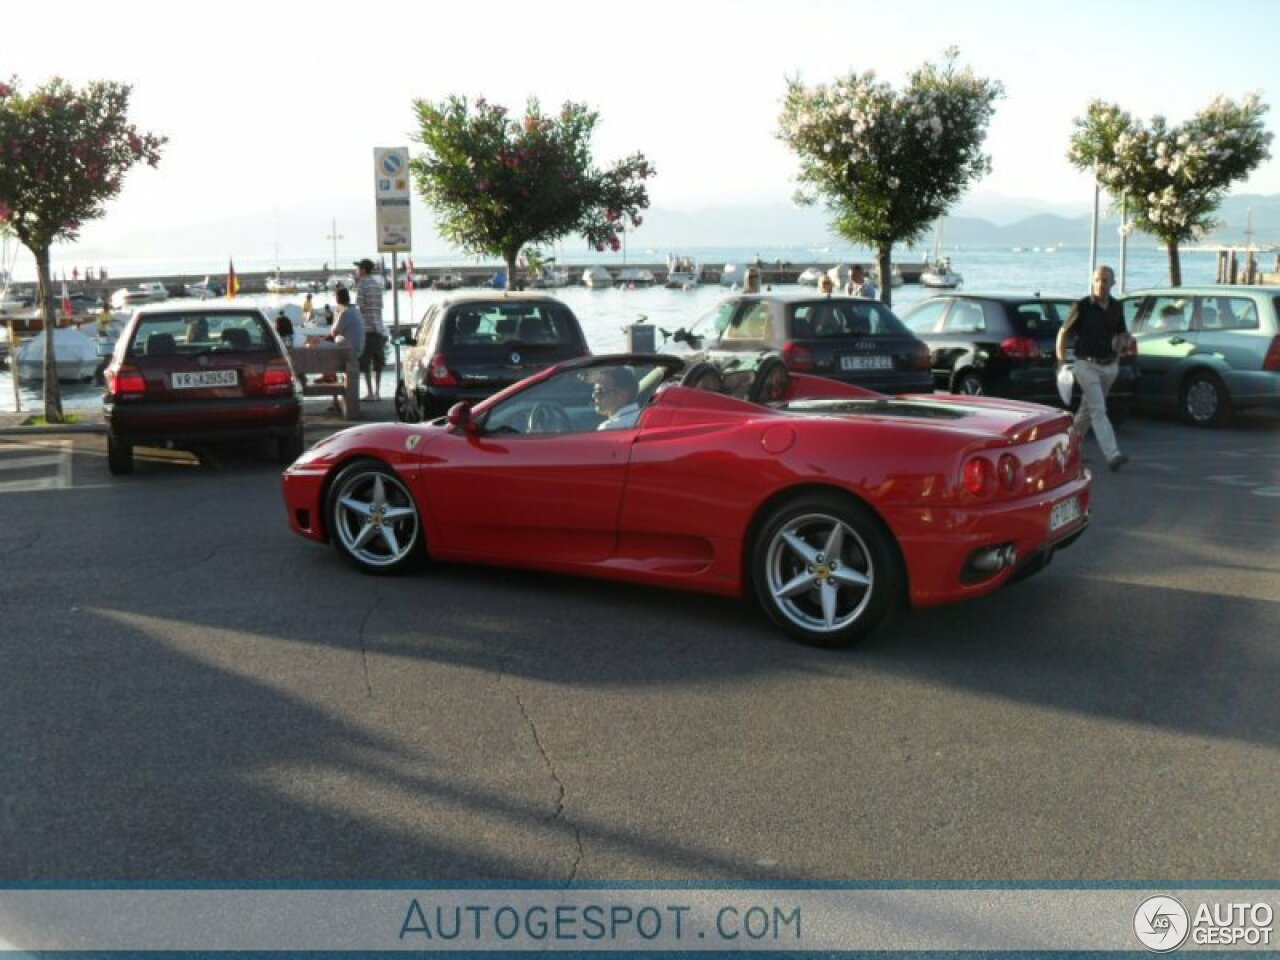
(1177, 340)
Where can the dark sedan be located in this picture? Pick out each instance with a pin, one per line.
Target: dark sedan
(844, 338)
(1002, 345)
(470, 346)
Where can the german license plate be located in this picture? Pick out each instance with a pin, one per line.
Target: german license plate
(1064, 513)
(866, 363)
(191, 380)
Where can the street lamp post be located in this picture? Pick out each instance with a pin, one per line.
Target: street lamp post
(335, 236)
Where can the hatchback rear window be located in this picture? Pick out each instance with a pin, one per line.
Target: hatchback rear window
(842, 318)
(187, 334)
(528, 324)
(1037, 318)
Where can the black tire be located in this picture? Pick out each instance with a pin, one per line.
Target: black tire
(373, 520)
(769, 385)
(406, 404)
(1204, 401)
(817, 601)
(119, 456)
(289, 449)
(703, 376)
(968, 384)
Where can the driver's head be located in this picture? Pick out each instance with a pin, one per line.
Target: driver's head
(613, 389)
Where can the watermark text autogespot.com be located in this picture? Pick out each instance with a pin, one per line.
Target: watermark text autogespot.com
(620, 923)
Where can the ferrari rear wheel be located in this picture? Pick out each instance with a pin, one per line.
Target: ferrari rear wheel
(373, 520)
(825, 570)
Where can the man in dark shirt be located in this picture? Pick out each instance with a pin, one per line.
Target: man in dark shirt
(1097, 324)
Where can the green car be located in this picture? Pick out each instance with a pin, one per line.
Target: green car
(1206, 352)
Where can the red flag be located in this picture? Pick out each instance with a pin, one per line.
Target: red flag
(408, 277)
(67, 310)
(233, 282)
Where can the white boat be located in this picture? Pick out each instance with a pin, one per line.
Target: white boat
(447, 281)
(550, 277)
(204, 290)
(597, 278)
(682, 272)
(151, 292)
(75, 353)
(732, 275)
(635, 277)
(334, 282)
(279, 284)
(939, 275)
(810, 277)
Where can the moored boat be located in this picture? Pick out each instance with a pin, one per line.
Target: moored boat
(635, 277)
(76, 356)
(939, 275)
(682, 272)
(597, 278)
(150, 292)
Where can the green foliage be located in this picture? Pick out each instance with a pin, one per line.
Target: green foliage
(1173, 178)
(498, 184)
(887, 164)
(63, 154)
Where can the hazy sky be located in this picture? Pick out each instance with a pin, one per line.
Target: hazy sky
(279, 104)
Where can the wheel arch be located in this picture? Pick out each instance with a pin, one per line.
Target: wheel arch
(353, 456)
(766, 508)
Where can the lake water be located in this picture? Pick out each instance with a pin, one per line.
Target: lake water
(605, 314)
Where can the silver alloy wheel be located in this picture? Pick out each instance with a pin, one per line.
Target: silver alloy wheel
(819, 573)
(970, 385)
(1203, 400)
(374, 518)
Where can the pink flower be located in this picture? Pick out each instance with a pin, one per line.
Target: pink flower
(5, 212)
(5, 90)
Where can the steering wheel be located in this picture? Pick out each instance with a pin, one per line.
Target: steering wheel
(547, 416)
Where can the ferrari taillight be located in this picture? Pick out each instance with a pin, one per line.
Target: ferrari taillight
(125, 380)
(1008, 470)
(796, 357)
(979, 476)
(439, 374)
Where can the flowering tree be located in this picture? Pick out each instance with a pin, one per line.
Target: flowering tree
(1173, 178)
(888, 164)
(63, 154)
(498, 184)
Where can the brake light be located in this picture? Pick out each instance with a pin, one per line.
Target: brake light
(125, 380)
(439, 374)
(1131, 347)
(1007, 470)
(1272, 360)
(1020, 348)
(277, 378)
(921, 358)
(979, 476)
(796, 357)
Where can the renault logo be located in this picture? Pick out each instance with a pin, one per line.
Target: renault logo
(515, 358)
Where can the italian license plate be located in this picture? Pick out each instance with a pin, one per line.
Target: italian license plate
(866, 363)
(190, 380)
(1064, 513)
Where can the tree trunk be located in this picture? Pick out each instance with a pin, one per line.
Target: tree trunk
(52, 396)
(1175, 265)
(884, 263)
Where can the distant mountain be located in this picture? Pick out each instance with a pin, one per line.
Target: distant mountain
(291, 235)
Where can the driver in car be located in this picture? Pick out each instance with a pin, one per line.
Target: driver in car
(614, 397)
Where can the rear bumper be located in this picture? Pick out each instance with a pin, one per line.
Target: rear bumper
(203, 422)
(938, 542)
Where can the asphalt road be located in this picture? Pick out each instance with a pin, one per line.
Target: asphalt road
(190, 692)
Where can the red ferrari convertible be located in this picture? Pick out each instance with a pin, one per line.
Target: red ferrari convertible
(829, 503)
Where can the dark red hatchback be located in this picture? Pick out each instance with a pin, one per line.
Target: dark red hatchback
(184, 376)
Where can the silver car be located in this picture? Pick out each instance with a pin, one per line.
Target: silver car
(1207, 352)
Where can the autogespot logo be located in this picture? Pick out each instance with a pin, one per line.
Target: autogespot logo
(1161, 924)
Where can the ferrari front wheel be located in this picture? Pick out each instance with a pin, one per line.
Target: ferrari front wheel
(373, 520)
(825, 570)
